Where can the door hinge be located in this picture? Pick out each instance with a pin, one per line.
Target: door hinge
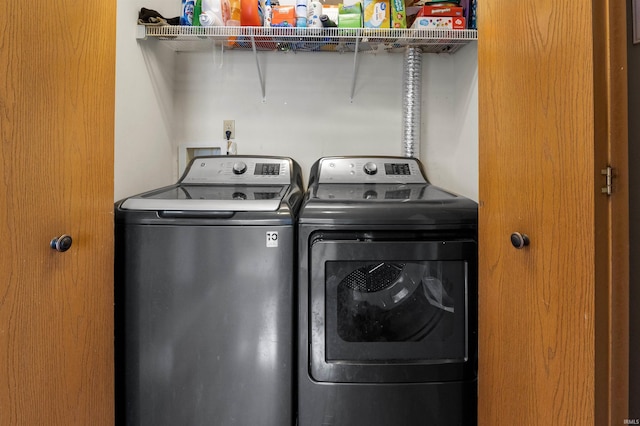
(608, 174)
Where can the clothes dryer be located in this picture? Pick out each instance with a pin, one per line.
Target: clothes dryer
(387, 301)
(204, 299)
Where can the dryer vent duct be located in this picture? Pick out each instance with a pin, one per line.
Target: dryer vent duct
(412, 90)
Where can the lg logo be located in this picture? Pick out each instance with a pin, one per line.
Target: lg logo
(272, 238)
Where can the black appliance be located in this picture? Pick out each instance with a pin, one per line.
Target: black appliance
(387, 297)
(204, 299)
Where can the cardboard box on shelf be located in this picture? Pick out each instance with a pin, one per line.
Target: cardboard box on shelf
(283, 16)
(447, 22)
(398, 14)
(441, 11)
(350, 16)
(436, 2)
(469, 7)
(376, 14)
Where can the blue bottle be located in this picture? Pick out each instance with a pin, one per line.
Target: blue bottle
(186, 17)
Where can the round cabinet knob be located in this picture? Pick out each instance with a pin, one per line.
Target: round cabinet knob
(370, 168)
(239, 168)
(61, 243)
(519, 240)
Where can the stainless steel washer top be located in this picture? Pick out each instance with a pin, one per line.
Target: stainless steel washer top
(231, 183)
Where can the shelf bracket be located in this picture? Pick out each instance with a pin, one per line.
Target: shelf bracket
(255, 54)
(141, 32)
(355, 70)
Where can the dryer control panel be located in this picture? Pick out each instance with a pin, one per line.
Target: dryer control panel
(369, 170)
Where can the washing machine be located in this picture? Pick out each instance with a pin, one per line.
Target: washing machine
(387, 300)
(204, 301)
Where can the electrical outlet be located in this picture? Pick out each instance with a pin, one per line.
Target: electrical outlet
(229, 125)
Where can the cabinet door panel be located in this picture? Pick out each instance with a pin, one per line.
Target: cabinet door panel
(543, 309)
(56, 171)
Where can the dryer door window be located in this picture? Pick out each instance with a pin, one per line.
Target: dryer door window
(382, 311)
(377, 306)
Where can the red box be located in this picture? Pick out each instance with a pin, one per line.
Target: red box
(459, 23)
(441, 11)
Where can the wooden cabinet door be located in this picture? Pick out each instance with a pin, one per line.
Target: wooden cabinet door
(551, 118)
(56, 176)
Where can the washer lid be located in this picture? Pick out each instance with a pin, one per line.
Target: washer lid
(184, 197)
(225, 184)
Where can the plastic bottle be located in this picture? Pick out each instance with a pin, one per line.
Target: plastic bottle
(326, 22)
(267, 13)
(214, 13)
(186, 17)
(301, 13)
(197, 10)
(314, 10)
(249, 15)
(234, 19)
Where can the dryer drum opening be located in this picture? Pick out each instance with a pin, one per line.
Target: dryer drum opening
(390, 302)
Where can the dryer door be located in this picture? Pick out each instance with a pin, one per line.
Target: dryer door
(392, 311)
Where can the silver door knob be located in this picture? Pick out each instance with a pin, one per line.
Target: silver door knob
(61, 243)
(519, 240)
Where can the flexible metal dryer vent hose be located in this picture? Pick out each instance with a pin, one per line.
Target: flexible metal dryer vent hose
(411, 102)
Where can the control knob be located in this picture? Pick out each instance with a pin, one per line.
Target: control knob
(238, 196)
(239, 168)
(370, 195)
(370, 168)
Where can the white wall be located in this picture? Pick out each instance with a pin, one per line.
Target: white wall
(449, 148)
(307, 112)
(144, 145)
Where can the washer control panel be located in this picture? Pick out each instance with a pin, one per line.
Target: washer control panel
(241, 170)
(369, 170)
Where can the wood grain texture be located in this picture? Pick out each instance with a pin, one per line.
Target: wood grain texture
(612, 292)
(56, 128)
(549, 114)
(536, 306)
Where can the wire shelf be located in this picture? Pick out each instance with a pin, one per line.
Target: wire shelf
(185, 38)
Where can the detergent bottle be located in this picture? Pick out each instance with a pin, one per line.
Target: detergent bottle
(249, 13)
(235, 13)
(186, 17)
(197, 10)
(214, 13)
